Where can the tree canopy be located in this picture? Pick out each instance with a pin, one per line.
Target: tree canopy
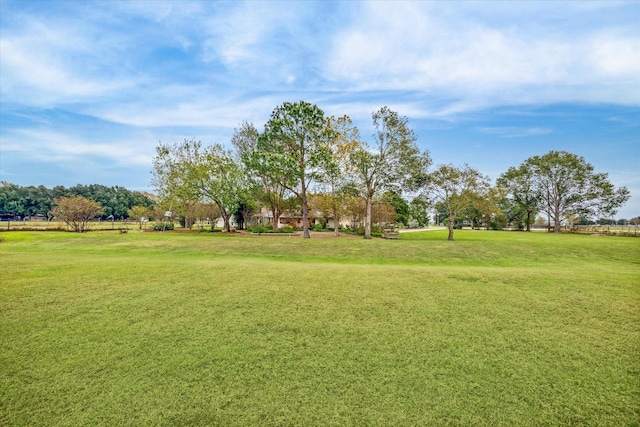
(293, 150)
(454, 189)
(566, 185)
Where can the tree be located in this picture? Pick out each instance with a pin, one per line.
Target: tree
(567, 185)
(140, 214)
(172, 177)
(522, 196)
(399, 204)
(394, 162)
(223, 181)
(291, 150)
(76, 211)
(454, 189)
(245, 141)
(344, 139)
(419, 210)
(188, 174)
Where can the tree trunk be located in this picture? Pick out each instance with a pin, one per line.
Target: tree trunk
(450, 237)
(528, 220)
(336, 220)
(367, 220)
(305, 214)
(556, 217)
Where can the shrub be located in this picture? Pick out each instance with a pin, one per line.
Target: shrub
(317, 227)
(165, 227)
(260, 229)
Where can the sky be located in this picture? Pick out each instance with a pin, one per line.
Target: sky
(88, 89)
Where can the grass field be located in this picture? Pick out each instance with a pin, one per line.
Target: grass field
(495, 328)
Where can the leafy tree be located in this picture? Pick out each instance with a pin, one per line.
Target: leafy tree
(419, 210)
(337, 175)
(482, 208)
(567, 185)
(454, 189)
(173, 177)
(140, 214)
(29, 201)
(383, 213)
(291, 150)
(245, 141)
(76, 211)
(399, 204)
(223, 181)
(324, 204)
(190, 174)
(10, 200)
(522, 196)
(394, 162)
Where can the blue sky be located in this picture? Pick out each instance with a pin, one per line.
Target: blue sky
(88, 89)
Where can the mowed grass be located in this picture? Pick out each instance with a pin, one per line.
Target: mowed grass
(495, 328)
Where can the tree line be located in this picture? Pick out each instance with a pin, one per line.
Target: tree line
(326, 166)
(115, 202)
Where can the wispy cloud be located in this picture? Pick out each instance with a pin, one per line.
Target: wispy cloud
(514, 132)
(416, 47)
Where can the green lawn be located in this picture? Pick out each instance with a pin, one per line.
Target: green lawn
(495, 328)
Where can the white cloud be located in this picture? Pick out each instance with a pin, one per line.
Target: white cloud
(515, 132)
(48, 64)
(411, 48)
(51, 146)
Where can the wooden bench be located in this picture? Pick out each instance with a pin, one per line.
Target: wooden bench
(390, 234)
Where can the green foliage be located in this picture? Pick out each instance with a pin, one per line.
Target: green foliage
(318, 227)
(399, 204)
(162, 226)
(454, 189)
(264, 229)
(419, 210)
(567, 186)
(394, 161)
(291, 150)
(30, 201)
(187, 174)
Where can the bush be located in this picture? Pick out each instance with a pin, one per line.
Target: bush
(263, 229)
(165, 227)
(317, 227)
(259, 229)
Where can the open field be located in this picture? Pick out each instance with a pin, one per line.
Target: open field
(495, 328)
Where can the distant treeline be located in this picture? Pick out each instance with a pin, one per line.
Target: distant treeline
(26, 202)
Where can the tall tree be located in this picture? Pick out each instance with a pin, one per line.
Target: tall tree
(292, 150)
(567, 185)
(245, 142)
(523, 198)
(173, 177)
(455, 188)
(419, 210)
(393, 162)
(344, 138)
(190, 174)
(399, 204)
